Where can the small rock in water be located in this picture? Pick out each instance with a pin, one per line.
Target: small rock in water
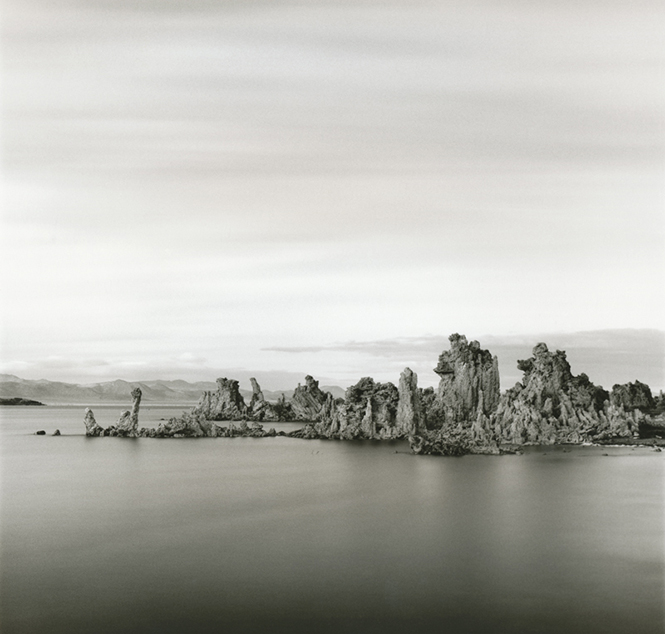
(56, 432)
(41, 432)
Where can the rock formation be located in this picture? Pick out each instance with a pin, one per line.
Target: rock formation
(91, 426)
(367, 424)
(469, 379)
(259, 408)
(16, 400)
(257, 394)
(465, 414)
(332, 417)
(409, 419)
(224, 404)
(192, 425)
(128, 423)
(551, 405)
(632, 396)
(371, 408)
(308, 401)
(633, 404)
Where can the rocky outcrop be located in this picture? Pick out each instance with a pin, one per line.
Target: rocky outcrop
(193, 425)
(332, 416)
(464, 414)
(308, 401)
(551, 405)
(409, 419)
(128, 423)
(371, 407)
(259, 409)
(282, 409)
(91, 426)
(20, 401)
(257, 394)
(632, 396)
(226, 403)
(469, 384)
(635, 404)
(372, 410)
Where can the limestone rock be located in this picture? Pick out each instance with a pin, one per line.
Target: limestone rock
(367, 424)
(380, 399)
(283, 410)
(91, 426)
(128, 423)
(332, 419)
(428, 410)
(259, 408)
(409, 418)
(551, 405)
(257, 394)
(469, 378)
(631, 396)
(226, 403)
(308, 400)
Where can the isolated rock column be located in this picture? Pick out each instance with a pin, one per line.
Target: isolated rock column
(409, 413)
(91, 426)
(129, 421)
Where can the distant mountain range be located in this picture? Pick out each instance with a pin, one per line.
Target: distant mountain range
(118, 391)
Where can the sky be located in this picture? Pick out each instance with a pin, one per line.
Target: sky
(330, 187)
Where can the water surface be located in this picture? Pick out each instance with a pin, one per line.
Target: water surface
(283, 535)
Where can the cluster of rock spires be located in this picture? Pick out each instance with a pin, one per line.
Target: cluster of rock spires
(466, 413)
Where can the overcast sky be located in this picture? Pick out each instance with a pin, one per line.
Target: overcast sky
(192, 186)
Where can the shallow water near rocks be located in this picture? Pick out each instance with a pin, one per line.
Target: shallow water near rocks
(148, 535)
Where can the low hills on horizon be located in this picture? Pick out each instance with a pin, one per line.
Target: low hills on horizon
(176, 392)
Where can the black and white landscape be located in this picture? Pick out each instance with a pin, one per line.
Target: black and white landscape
(332, 316)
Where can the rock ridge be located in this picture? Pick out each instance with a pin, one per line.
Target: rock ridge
(466, 413)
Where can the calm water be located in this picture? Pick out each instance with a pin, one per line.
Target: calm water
(104, 535)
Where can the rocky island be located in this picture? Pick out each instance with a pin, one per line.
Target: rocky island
(466, 413)
(20, 401)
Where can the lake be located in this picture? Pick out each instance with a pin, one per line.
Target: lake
(105, 535)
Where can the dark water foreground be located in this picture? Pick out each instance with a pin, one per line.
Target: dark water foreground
(282, 535)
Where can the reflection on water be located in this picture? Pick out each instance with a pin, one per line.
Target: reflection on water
(282, 535)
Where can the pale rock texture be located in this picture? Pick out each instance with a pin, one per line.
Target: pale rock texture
(308, 401)
(382, 399)
(128, 423)
(91, 426)
(409, 419)
(257, 394)
(333, 417)
(259, 408)
(367, 424)
(469, 379)
(551, 405)
(226, 403)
